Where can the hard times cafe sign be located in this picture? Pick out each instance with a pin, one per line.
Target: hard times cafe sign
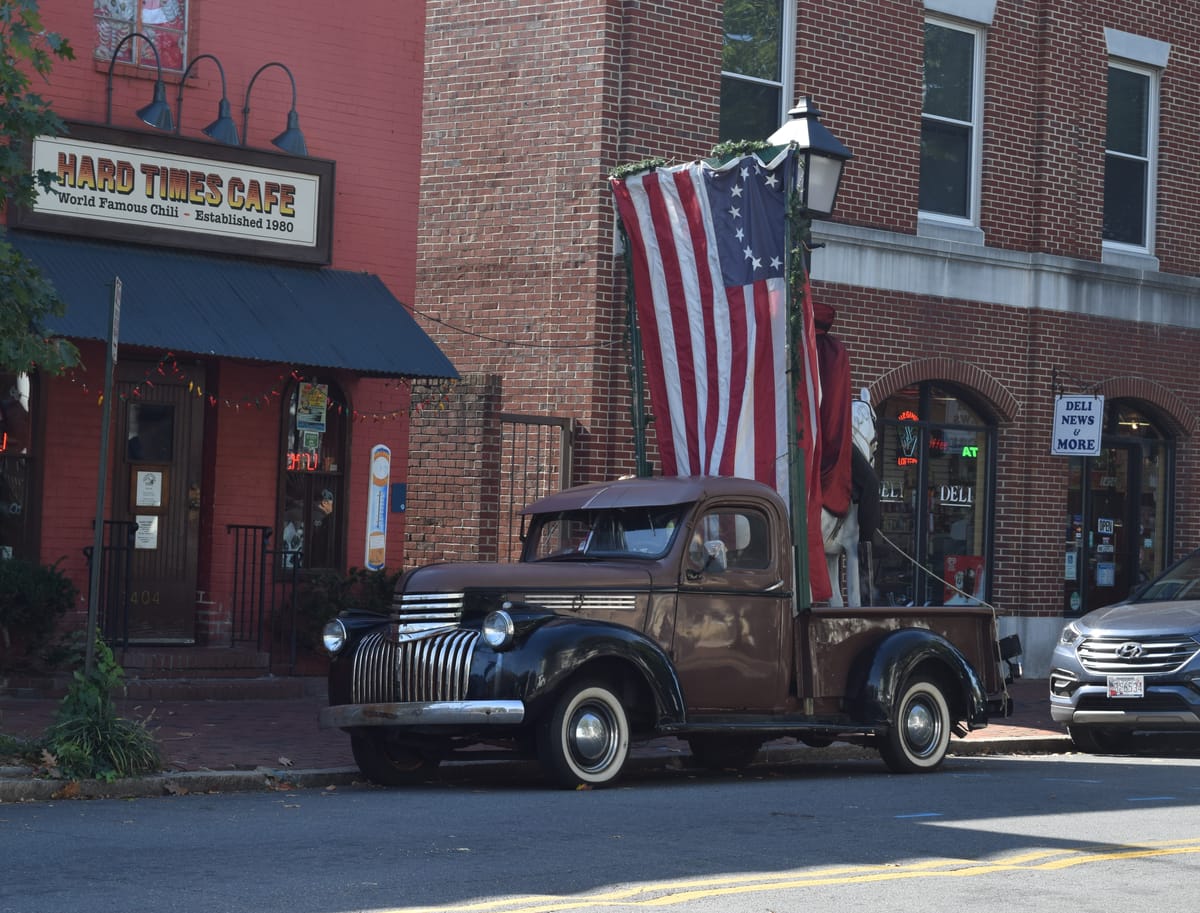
(161, 191)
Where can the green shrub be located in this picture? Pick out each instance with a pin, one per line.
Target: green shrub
(322, 595)
(88, 740)
(33, 598)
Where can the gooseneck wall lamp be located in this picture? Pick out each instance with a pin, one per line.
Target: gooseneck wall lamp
(291, 139)
(158, 113)
(223, 129)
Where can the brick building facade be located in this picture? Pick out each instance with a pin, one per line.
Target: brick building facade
(272, 368)
(984, 314)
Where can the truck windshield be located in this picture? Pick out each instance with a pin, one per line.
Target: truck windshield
(629, 532)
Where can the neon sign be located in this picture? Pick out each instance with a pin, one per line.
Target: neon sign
(303, 461)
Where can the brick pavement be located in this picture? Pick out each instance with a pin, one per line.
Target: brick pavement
(224, 735)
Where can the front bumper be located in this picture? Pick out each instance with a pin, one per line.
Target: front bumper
(1164, 707)
(432, 713)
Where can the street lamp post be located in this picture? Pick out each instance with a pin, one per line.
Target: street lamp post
(817, 178)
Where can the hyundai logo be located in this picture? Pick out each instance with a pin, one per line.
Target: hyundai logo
(1129, 650)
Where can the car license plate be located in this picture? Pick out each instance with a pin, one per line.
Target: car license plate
(1126, 686)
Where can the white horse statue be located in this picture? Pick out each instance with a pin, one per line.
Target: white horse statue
(842, 534)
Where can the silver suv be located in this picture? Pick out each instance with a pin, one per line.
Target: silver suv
(1133, 666)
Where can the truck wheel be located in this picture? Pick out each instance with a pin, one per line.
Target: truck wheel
(919, 733)
(586, 737)
(724, 752)
(1092, 740)
(389, 764)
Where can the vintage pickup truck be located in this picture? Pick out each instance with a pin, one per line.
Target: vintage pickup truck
(642, 608)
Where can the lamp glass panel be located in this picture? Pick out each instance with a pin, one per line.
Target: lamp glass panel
(824, 174)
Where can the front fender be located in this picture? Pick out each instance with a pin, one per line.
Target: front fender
(552, 651)
(880, 675)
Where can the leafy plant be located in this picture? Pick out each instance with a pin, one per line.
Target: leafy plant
(322, 595)
(88, 739)
(26, 298)
(33, 598)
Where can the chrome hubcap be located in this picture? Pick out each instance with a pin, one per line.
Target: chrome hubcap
(593, 741)
(921, 728)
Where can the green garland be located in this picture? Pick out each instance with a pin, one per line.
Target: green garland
(623, 171)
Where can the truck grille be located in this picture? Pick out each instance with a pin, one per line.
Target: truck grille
(1136, 654)
(436, 668)
(428, 608)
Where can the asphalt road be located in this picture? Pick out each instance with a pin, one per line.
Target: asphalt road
(1047, 833)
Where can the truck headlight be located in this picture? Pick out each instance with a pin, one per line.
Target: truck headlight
(498, 630)
(333, 636)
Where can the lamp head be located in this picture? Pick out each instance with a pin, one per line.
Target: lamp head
(291, 140)
(822, 156)
(223, 129)
(158, 113)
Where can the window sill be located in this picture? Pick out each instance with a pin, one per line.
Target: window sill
(949, 231)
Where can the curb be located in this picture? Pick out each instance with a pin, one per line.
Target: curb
(19, 785)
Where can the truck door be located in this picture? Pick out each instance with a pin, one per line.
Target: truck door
(730, 642)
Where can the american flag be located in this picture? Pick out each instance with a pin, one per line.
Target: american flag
(709, 275)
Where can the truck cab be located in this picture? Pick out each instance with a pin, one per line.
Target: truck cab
(642, 608)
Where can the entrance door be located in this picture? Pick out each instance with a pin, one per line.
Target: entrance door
(159, 442)
(1116, 524)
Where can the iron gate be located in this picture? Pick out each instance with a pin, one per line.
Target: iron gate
(536, 455)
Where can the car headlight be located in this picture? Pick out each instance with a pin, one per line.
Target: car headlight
(333, 636)
(1069, 634)
(498, 630)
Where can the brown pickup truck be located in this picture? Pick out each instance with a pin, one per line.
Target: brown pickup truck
(642, 608)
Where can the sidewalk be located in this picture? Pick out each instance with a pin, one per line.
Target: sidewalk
(228, 745)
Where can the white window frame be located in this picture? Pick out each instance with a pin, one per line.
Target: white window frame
(1147, 57)
(942, 224)
(787, 63)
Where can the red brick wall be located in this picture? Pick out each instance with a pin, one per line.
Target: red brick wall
(359, 86)
(533, 109)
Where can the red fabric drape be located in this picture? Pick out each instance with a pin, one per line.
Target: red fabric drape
(836, 439)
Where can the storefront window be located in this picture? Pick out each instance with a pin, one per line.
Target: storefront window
(16, 467)
(314, 464)
(1117, 535)
(934, 464)
(162, 21)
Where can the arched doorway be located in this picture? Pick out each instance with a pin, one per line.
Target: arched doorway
(936, 465)
(1118, 503)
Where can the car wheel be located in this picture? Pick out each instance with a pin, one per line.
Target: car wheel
(1094, 740)
(390, 764)
(724, 752)
(919, 733)
(585, 739)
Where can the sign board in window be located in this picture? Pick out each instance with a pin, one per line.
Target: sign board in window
(1078, 425)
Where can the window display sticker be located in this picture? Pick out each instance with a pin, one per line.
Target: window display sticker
(312, 406)
(149, 488)
(1072, 567)
(310, 441)
(1104, 527)
(1106, 573)
(147, 532)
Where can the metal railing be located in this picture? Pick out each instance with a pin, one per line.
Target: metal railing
(116, 572)
(263, 601)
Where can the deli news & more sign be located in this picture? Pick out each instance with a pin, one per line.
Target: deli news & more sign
(1078, 425)
(168, 190)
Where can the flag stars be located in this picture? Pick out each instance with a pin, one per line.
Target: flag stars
(776, 263)
(771, 180)
(736, 191)
(735, 212)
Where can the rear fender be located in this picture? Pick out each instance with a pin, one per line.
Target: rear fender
(879, 677)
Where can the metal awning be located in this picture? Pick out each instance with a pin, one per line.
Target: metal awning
(210, 305)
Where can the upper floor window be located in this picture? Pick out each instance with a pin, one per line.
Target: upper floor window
(162, 21)
(1129, 156)
(754, 68)
(951, 119)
